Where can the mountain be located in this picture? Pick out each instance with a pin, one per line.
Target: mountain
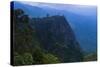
(57, 37)
(81, 18)
(48, 40)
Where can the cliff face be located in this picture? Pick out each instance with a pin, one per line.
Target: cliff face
(57, 37)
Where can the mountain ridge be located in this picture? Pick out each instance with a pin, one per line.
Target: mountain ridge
(77, 22)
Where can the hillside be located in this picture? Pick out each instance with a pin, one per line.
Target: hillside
(57, 37)
(82, 19)
(46, 40)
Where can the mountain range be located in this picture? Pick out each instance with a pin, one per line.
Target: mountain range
(82, 19)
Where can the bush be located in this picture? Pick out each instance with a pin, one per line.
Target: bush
(23, 59)
(50, 58)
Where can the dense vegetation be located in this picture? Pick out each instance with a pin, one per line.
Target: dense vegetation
(43, 40)
(27, 48)
(90, 57)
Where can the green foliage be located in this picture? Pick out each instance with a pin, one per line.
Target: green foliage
(27, 45)
(18, 59)
(23, 59)
(28, 59)
(50, 58)
(41, 57)
(91, 57)
(37, 55)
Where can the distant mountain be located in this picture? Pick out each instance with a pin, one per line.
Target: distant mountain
(82, 19)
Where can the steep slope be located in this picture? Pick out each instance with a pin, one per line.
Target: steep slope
(81, 18)
(49, 40)
(57, 37)
(26, 48)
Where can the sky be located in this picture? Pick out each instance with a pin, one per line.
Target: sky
(80, 2)
(83, 10)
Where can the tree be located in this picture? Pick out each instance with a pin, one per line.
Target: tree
(40, 57)
(27, 58)
(23, 59)
(37, 55)
(18, 12)
(18, 59)
(50, 58)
